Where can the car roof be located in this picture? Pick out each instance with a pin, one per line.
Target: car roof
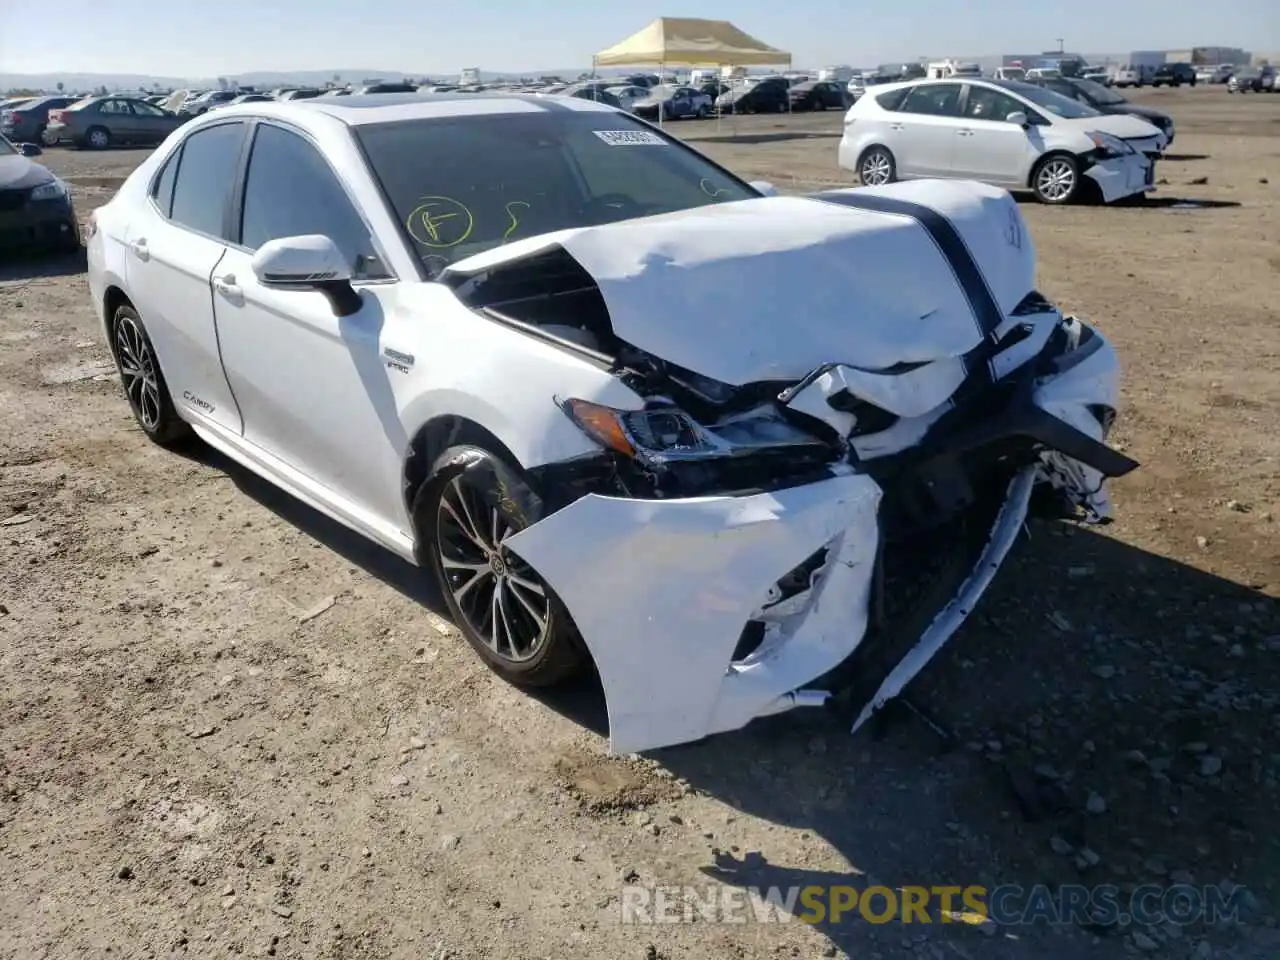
(361, 109)
(387, 107)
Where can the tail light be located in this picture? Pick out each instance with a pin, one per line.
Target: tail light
(14, 117)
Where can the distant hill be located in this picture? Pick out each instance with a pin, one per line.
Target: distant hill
(82, 82)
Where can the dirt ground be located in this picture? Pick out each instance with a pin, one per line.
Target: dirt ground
(228, 727)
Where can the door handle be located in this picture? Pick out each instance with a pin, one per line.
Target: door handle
(226, 285)
(139, 248)
(895, 126)
(965, 133)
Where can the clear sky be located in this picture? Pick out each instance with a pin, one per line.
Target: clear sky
(185, 38)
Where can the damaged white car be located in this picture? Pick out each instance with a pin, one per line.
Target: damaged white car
(1013, 134)
(736, 450)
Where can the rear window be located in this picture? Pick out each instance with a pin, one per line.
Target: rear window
(892, 99)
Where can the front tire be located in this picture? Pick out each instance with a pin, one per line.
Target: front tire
(877, 167)
(472, 504)
(1056, 179)
(143, 382)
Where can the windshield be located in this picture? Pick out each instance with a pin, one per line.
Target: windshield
(462, 185)
(1055, 103)
(1097, 93)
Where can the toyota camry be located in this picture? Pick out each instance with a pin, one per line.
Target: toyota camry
(737, 451)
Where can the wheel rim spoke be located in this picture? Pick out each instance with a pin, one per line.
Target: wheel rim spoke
(526, 584)
(538, 617)
(138, 373)
(455, 501)
(504, 604)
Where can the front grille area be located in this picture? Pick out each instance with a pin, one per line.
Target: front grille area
(11, 200)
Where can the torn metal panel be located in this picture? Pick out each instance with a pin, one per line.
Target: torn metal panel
(943, 628)
(1121, 177)
(661, 591)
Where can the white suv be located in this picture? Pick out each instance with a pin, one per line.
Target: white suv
(1012, 134)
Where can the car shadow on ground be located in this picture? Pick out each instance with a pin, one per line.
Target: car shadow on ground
(1091, 665)
(38, 266)
(378, 562)
(1175, 203)
(1085, 651)
(1185, 157)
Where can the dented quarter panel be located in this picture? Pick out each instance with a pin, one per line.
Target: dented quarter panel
(954, 614)
(661, 591)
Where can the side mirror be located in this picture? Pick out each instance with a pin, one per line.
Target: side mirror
(311, 262)
(1019, 118)
(30, 149)
(764, 187)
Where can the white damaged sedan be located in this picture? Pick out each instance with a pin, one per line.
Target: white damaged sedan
(736, 450)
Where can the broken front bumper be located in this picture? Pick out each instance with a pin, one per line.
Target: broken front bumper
(661, 589)
(1122, 177)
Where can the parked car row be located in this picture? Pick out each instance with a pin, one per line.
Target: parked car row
(1254, 80)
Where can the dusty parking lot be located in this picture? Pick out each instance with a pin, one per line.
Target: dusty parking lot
(228, 727)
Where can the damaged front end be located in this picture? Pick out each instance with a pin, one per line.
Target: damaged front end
(738, 550)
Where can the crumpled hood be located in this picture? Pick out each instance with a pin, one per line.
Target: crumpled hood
(770, 288)
(1126, 126)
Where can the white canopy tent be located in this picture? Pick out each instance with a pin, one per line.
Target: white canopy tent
(686, 42)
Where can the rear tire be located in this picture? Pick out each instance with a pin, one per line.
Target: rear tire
(512, 619)
(876, 167)
(97, 138)
(142, 380)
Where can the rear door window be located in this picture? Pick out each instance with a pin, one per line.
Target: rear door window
(892, 99)
(205, 176)
(162, 188)
(933, 99)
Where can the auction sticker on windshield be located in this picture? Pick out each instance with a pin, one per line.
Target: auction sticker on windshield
(629, 138)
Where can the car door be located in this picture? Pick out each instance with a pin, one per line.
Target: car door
(174, 246)
(314, 388)
(152, 123)
(930, 118)
(987, 146)
(117, 116)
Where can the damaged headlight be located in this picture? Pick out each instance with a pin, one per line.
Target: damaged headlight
(662, 434)
(1109, 146)
(647, 435)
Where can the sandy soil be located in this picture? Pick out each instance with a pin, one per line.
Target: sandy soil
(228, 727)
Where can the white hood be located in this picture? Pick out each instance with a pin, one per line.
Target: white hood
(771, 288)
(1123, 125)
